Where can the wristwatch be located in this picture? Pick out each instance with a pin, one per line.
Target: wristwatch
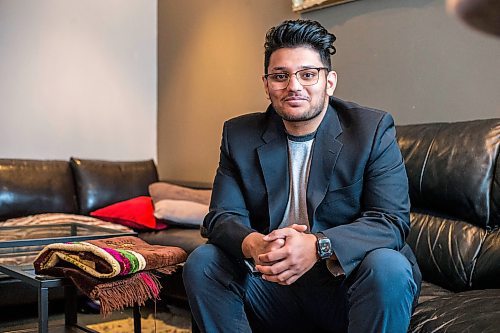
(323, 246)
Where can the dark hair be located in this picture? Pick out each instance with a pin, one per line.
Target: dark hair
(299, 33)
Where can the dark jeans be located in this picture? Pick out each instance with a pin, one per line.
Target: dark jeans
(377, 297)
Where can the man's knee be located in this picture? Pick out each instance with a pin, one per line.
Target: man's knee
(389, 274)
(198, 260)
(206, 264)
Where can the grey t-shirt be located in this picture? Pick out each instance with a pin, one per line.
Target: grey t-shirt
(299, 162)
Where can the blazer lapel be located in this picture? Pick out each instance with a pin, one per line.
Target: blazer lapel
(325, 153)
(273, 158)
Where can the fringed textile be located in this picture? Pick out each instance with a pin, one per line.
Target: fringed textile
(118, 272)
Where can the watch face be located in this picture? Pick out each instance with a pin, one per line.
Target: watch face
(324, 248)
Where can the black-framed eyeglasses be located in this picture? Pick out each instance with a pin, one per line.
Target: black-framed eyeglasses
(306, 77)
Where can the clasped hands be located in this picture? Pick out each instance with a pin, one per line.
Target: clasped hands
(284, 255)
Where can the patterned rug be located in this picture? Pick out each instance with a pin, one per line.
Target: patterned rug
(127, 326)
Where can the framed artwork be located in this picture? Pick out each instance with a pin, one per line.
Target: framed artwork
(307, 5)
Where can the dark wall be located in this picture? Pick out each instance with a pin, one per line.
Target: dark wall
(210, 62)
(413, 59)
(407, 57)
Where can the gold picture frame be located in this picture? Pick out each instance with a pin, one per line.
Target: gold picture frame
(301, 6)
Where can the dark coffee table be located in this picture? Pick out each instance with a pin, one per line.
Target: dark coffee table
(25, 240)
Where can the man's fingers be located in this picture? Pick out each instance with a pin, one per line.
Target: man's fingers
(291, 280)
(287, 277)
(274, 269)
(299, 227)
(273, 256)
(285, 232)
(276, 244)
(277, 234)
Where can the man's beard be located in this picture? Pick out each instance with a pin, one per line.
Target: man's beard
(313, 112)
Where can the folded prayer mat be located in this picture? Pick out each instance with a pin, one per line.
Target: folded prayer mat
(118, 272)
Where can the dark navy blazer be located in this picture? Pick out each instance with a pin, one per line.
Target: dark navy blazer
(357, 193)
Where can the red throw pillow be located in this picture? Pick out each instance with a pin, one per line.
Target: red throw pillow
(136, 213)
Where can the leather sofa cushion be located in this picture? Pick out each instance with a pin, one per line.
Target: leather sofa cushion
(30, 187)
(451, 167)
(429, 291)
(446, 250)
(102, 183)
(487, 271)
(470, 311)
(495, 190)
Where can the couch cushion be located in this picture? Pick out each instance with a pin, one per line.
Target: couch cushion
(189, 214)
(495, 193)
(470, 311)
(187, 239)
(429, 291)
(102, 183)
(180, 205)
(487, 271)
(451, 168)
(163, 190)
(35, 186)
(446, 250)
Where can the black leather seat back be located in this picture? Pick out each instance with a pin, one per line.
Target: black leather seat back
(495, 192)
(30, 187)
(451, 168)
(454, 195)
(446, 250)
(102, 183)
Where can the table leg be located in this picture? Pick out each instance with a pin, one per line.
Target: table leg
(137, 318)
(70, 305)
(43, 310)
(194, 326)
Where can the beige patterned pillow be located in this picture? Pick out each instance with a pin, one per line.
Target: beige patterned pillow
(181, 212)
(179, 205)
(161, 190)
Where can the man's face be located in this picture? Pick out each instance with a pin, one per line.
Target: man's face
(298, 103)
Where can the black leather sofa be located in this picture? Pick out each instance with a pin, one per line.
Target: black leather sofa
(454, 177)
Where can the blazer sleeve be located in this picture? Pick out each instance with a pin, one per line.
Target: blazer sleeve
(383, 221)
(227, 223)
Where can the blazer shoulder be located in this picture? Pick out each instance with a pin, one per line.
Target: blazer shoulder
(245, 130)
(346, 107)
(250, 125)
(246, 120)
(354, 115)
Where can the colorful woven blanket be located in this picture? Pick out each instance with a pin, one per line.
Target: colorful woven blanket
(118, 272)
